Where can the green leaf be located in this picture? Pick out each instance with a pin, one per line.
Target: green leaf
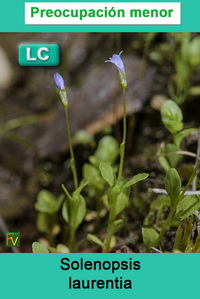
(136, 178)
(178, 137)
(171, 111)
(157, 210)
(122, 201)
(45, 222)
(65, 212)
(93, 174)
(59, 202)
(68, 195)
(39, 248)
(107, 151)
(187, 233)
(62, 248)
(46, 202)
(173, 126)
(178, 238)
(150, 237)
(115, 227)
(82, 185)
(194, 51)
(197, 245)
(172, 116)
(83, 137)
(187, 206)
(53, 250)
(173, 185)
(164, 162)
(77, 211)
(171, 160)
(73, 210)
(107, 173)
(94, 239)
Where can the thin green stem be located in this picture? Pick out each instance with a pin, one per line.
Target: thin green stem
(72, 160)
(122, 145)
(166, 225)
(112, 198)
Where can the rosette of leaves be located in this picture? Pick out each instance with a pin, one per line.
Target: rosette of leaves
(73, 212)
(118, 198)
(181, 208)
(172, 119)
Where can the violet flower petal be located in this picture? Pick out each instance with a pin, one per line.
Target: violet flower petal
(59, 81)
(117, 61)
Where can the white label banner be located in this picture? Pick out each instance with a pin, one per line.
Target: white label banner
(102, 13)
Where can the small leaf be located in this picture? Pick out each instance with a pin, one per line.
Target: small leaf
(62, 248)
(173, 185)
(107, 173)
(171, 111)
(39, 248)
(68, 195)
(197, 245)
(187, 233)
(122, 201)
(136, 178)
(187, 206)
(77, 192)
(178, 238)
(171, 159)
(107, 151)
(93, 174)
(172, 116)
(194, 53)
(65, 212)
(178, 137)
(53, 250)
(174, 158)
(46, 202)
(77, 211)
(94, 239)
(173, 126)
(83, 137)
(164, 163)
(150, 237)
(115, 226)
(157, 210)
(59, 202)
(45, 222)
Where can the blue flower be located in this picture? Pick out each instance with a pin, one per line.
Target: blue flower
(117, 61)
(61, 86)
(59, 81)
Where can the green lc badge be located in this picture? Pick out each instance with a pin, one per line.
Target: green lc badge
(39, 55)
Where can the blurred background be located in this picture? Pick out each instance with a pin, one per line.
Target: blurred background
(33, 149)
